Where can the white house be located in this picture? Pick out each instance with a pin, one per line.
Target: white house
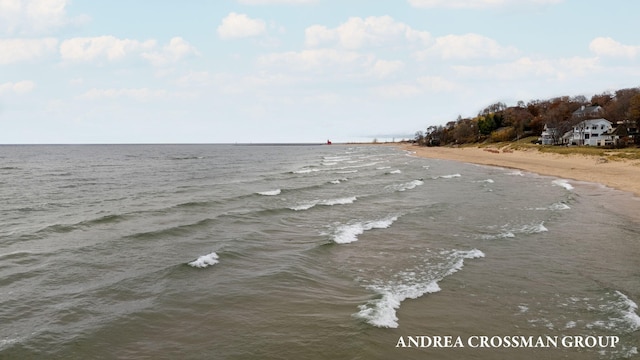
(549, 136)
(595, 132)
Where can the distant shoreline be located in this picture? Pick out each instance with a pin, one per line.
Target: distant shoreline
(622, 175)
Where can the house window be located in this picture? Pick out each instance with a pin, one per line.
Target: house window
(594, 127)
(586, 136)
(601, 127)
(595, 135)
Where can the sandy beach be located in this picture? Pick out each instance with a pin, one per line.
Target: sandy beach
(622, 175)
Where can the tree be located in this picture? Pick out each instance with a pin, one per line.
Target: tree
(486, 124)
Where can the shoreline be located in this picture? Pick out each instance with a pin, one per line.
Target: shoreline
(622, 175)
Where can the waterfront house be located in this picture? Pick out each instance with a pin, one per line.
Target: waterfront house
(593, 132)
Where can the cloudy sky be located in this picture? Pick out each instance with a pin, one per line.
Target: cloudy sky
(163, 71)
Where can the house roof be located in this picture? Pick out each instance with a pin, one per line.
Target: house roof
(593, 122)
(587, 110)
(620, 131)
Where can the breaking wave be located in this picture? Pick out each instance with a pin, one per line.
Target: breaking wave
(270, 192)
(563, 183)
(330, 202)
(507, 231)
(205, 260)
(410, 284)
(348, 233)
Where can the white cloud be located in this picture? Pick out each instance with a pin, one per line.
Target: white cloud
(357, 32)
(436, 84)
(140, 94)
(397, 91)
(16, 50)
(176, 50)
(21, 87)
(101, 47)
(234, 84)
(425, 84)
(606, 46)
(385, 68)
(468, 46)
(240, 26)
(316, 59)
(34, 16)
(194, 79)
(527, 68)
(476, 4)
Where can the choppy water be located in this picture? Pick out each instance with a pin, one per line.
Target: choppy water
(314, 252)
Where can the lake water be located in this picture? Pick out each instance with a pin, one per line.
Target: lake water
(306, 252)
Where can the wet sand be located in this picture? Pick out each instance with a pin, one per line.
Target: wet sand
(622, 175)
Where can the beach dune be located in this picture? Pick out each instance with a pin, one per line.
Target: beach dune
(622, 175)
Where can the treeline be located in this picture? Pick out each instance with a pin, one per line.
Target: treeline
(497, 122)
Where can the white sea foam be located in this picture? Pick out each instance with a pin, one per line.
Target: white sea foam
(304, 206)
(628, 309)
(405, 186)
(381, 312)
(329, 163)
(7, 342)
(447, 176)
(329, 202)
(338, 181)
(383, 167)
(489, 181)
(619, 311)
(205, 260)
(397, 171)
(346, 171)
(559, 206)
(515, 173)
(340, 201)
(348, 233)
(507, 231)
(563, 183)
(271, 192)
(305, 171)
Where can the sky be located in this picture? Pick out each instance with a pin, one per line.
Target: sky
(283, 71)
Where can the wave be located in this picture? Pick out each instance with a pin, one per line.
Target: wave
(177, 230)
(405, 186)
(337, 181)
(511, 232)
(447, 176)
(348, 233)
(65, 228)
(330, 202)
(346, 171)
(270, 192)
(205, 260)
(305, 171)
(411, 284)
(515, 173)
(383, 167)
(562, 183)
(553, 207)
(187, 157)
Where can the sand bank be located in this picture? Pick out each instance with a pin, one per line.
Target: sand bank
(622, 175)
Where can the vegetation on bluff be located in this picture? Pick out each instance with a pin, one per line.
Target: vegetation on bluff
(499, 123)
